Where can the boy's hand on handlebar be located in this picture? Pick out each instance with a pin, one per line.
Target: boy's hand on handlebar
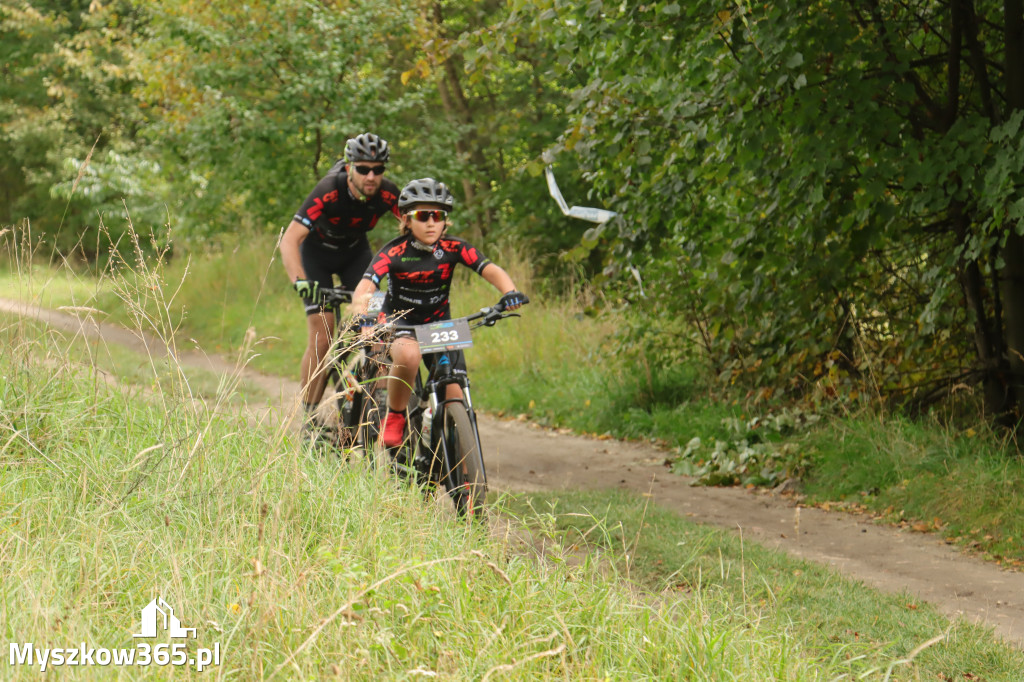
(307, 288)
(512, 300)
(366, 324)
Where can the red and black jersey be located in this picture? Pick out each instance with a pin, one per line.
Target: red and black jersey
(420, 277)
(336, 218)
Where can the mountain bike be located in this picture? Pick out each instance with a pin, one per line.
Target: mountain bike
(358, 371)
(443, 443)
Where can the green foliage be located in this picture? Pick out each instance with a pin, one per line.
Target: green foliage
(799, 178)
(797, 183)
(502, 107)
(758, 452)
(67, 97)
(251, 104)
(237, 110)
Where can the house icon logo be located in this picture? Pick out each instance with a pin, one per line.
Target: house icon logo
(159, 612)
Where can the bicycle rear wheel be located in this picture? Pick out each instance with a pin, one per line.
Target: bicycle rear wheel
(349, 401)
(466, 480)
(375, 407)
(349, 407)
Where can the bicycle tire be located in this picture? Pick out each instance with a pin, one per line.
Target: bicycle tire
(466, 480)
(375, 406)
(348, 408)
(348, 424)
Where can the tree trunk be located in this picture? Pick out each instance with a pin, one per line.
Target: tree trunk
(986, 345)
(459, 109)
(1011, 280)
(318, 152)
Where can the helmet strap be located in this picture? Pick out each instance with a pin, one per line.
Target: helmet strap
(354, 191)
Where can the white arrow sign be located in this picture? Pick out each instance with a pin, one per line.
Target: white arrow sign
(594, 215)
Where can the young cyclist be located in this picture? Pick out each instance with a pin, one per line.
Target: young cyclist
(328, 236)
(419, 265)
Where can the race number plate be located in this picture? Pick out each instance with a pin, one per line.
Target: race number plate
(445, 335)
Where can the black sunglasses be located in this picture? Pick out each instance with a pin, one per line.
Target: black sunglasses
(423, 215)
(366, 170)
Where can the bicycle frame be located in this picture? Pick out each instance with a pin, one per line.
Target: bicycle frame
(433, 394)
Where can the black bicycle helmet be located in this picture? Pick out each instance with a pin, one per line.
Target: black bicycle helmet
(367, 147)
(425, 191)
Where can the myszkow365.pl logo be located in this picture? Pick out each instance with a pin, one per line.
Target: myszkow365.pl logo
(157, 616)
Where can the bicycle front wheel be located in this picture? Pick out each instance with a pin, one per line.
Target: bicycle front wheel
(466, 480)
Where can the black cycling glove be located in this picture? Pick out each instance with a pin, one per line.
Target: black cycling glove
(366, 320)
(512, 300)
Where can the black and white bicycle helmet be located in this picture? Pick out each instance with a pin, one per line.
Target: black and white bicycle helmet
(367, 147)
(425, 191)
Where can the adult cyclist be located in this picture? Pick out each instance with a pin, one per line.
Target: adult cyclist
(328, 236)
(420, 264)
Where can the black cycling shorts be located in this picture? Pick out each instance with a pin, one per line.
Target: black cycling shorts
(321, 261)
(456, 357)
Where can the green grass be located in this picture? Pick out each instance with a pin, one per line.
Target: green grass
(968, 486)
(112, 362)
(853, 629)
(302, 568)
(554, 364)
(299, 567)
(23, 278)
(222, 298)
(561, 367)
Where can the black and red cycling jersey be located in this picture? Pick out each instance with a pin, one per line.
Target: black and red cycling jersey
(420, 276)
(339, 220)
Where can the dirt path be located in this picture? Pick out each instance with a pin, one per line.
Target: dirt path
(521, 456)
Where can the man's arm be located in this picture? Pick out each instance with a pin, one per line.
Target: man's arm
(291, 257)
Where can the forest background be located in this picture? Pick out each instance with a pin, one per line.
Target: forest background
(820, 202)
(819, 213)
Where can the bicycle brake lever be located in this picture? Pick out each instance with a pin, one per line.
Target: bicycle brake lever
(500, 316)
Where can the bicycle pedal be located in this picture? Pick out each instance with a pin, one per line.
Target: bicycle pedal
(398, 463)
(403, 471)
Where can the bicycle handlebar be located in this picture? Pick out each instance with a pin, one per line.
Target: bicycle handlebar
(335, 296)
(490, 316)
